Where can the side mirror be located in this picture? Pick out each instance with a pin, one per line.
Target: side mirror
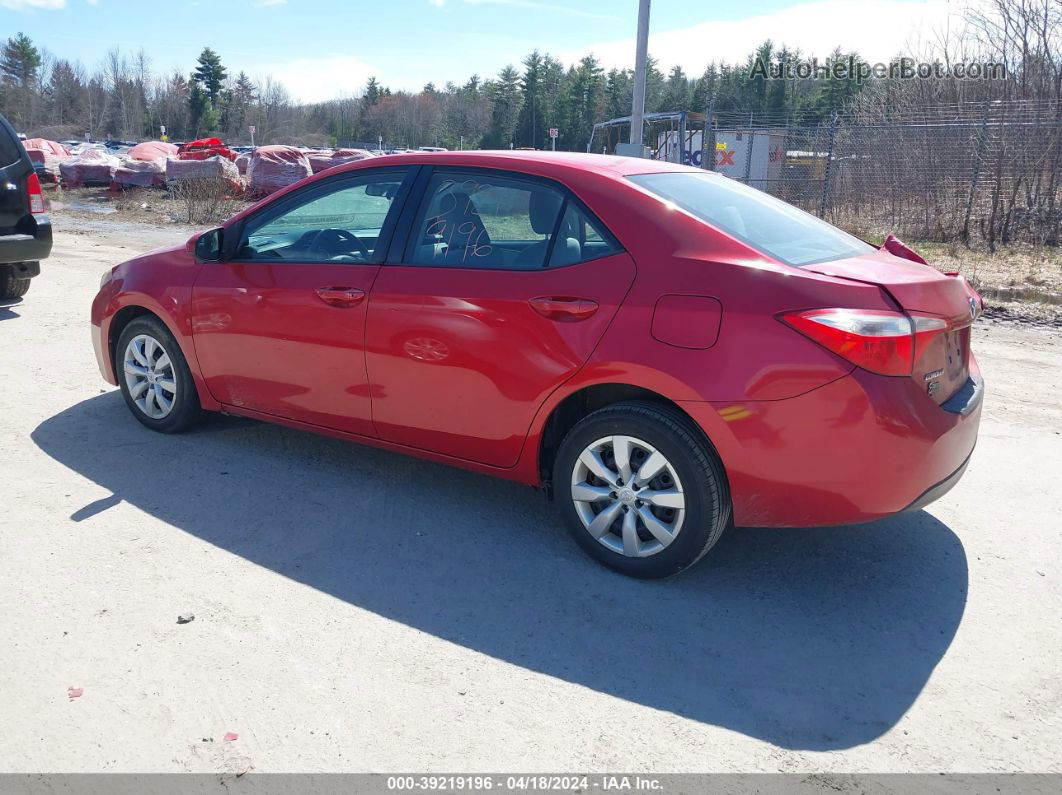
(207, 246)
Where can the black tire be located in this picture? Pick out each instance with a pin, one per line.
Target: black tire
(186, 411)
(693, 459)
(11, 286)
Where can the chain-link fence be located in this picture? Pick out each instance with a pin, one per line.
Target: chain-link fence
(988, 172)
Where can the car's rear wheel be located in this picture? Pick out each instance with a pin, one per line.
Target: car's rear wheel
(154, 377)
(641, 490)
(12, 286)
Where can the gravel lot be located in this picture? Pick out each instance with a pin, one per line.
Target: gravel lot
(356, 610)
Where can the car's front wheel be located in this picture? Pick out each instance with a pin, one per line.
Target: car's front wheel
(641, 490)
(154, 377)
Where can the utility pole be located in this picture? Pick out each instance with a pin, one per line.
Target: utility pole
(640, 58)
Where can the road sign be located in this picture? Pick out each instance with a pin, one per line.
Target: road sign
(251, 129)
(554, 132)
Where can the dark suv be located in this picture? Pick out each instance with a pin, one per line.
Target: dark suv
(25, 231)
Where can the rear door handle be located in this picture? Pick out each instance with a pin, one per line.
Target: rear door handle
(564, 309)
(341, 296)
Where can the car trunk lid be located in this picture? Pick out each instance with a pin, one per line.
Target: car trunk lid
(942, 306)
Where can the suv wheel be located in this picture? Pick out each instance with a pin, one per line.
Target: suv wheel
(640, 490)
(154, 377)
(12, 286)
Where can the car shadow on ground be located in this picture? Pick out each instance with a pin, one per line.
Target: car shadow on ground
(7, 306)
(809, 639)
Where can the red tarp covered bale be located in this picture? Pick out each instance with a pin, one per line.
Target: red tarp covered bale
(212, 168)
(319, 161)
(46, 156)
(203, 148)
(275, 167)
(152, 150)
(54, 147)
(91, 167)
(145, 165)
(45, 164)
(350, 155)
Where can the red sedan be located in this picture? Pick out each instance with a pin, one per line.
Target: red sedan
(663, 350)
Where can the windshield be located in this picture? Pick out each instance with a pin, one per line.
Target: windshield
(769, 225)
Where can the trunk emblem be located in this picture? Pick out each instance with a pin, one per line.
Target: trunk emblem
(934, 374)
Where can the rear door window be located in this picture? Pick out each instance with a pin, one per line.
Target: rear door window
(472, 219)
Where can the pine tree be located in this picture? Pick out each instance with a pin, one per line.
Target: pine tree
(210, 74)
(585, 102)
(655, 87)
(677, 96)
(373, 93)
(619, 89)
(529, 127)
(198, 105)
(505, 93)
(19, 61)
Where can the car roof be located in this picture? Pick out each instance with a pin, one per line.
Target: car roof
(530, 162)
(563, 166)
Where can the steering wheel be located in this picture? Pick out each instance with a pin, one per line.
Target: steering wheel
(338, 241)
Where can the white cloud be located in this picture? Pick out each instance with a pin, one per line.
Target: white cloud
(320, 79)
(24, 5)
(538, 6)
(436, 3)
(876, 29)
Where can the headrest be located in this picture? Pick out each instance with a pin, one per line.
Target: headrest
(542, 209)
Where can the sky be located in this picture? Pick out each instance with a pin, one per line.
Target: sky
(321, 49)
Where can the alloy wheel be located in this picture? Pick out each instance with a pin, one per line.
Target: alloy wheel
(150, 376)
(628, 496)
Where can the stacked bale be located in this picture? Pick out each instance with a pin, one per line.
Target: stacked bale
(212, 168)
(91, 167)
(145, 165)
(274, 167)
(325, 159)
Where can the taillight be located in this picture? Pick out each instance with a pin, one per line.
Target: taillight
(36, 195)
(877, 340)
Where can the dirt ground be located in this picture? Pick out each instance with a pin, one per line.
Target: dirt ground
(357, 610)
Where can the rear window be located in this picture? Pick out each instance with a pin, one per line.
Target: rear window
(767, 224)
(11, 148)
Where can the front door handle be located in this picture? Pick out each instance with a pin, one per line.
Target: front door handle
(564, 309)
(342, 297)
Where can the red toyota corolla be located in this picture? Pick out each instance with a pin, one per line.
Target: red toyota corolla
(664, 350)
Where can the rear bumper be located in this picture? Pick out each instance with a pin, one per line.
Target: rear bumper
(860, 448)
(24, 270)
(935, 492)
(30, 247)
